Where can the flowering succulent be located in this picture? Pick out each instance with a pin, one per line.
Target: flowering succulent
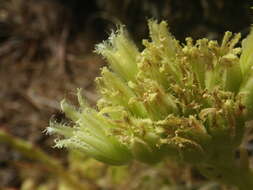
(188, 102)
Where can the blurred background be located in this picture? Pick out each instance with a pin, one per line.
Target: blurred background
(46, 52)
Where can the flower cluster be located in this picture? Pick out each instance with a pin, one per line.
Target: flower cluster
(188, 102)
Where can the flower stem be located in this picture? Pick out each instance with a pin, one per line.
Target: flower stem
(32, 152)
(230, 173)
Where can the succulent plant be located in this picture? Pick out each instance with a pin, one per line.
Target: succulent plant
(188, 102)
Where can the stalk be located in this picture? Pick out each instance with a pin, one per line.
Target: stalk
(32, 152)
(231, 173)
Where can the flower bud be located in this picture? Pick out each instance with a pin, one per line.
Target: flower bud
(184, 101)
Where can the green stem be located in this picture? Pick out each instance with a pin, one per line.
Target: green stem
(230, 173)
(240, 177)
(32, 152)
